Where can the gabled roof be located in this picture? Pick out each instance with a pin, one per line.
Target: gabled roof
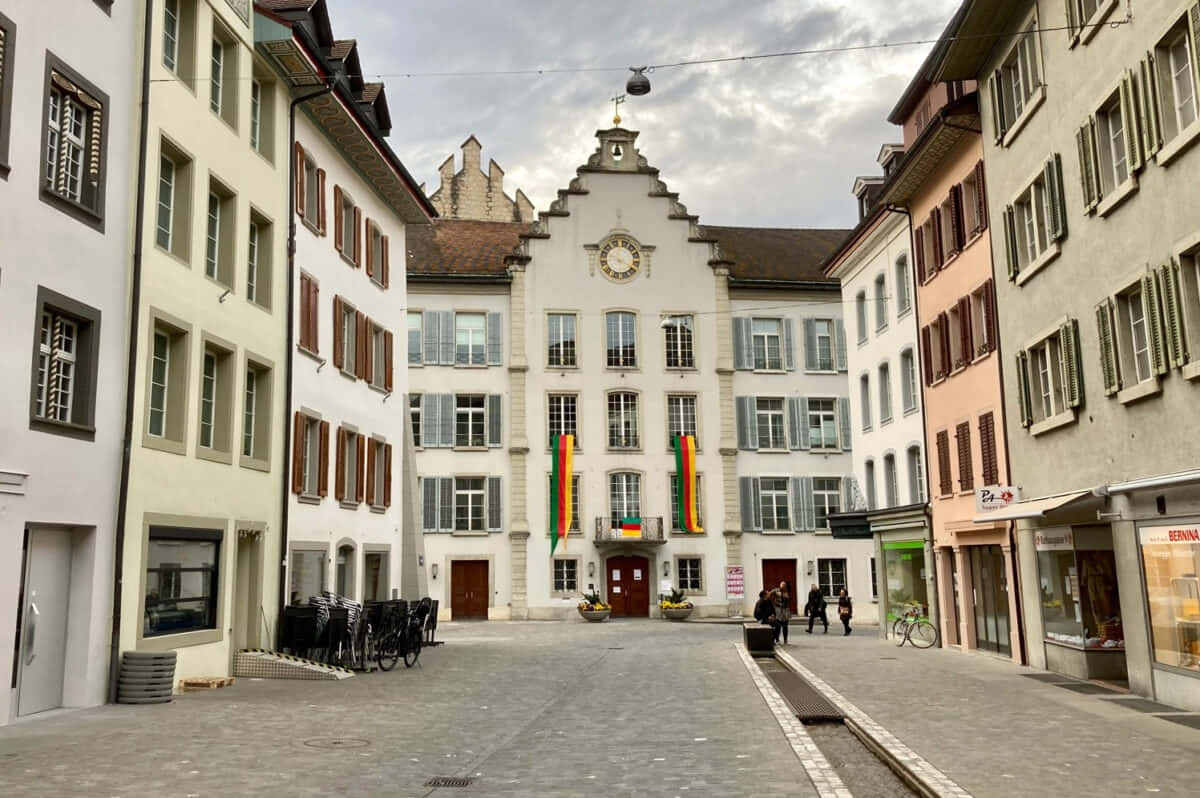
(775, 254)
(462, 248)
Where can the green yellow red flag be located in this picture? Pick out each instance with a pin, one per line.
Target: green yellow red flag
(685, 472)
(560, 490)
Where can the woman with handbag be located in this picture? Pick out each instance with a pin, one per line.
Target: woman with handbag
(845, 609)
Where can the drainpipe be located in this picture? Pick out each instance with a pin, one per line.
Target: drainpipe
(288, 359)
(135, 298)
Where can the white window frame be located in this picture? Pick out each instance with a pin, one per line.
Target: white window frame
(881, 305)
(681, 328)
(827, 499)
(903, 281)
(625, 326)
(56, 366)
(378, 356)
(167, 175)
(817, 411)
(681, 418)
(910, 380)
(349, 339)
(1187, 71)
(465, 335)
(779, 496)
(414, 417)
(217, 75)
(475, 499)
(626, 406)
(1134, 314)
(350, 465)
(212, 249)
(689, 574)
(772, 427)
(885, 393)
(916, 466)
(562, 417)
(252, 262)
(255, 114)
(474, 417)
(560, 581)
(825, 355)
(380, 472)
(419, 329)
(159, 364)
(558, 358)
(826, 573)
(208, 399)
(625, 491)
(249, 410)
(66, 120)
(171, 35)
(312, 457)
(762, 341)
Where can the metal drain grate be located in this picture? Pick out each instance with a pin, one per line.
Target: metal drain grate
(809, 705)
(449, 781)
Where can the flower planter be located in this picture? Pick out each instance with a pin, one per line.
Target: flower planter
(681, 614)
(595, 616)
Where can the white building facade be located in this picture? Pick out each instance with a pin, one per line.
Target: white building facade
(65, 222)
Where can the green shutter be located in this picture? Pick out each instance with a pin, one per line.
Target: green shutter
(1023, 398)
(1151, 116)
(1193, 30)
(998, 124)
(1108, 348)
(1152, 307)
(1129, 116)
(1171, 277)
(1055, 199)
(1072, 20)
(1087, 174)
(1010, 241)
(1068, 341)
(1094, 160)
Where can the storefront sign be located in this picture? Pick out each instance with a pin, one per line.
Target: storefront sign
(1169, 535)
(1054, 541)
(735, 582)
(996, 497)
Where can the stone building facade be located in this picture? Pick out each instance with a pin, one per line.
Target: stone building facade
(471, 194)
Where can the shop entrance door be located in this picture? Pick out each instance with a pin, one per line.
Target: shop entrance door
(776, 571)
(989, 575)
(42, 647)
(247, 600)
(469, 590)
(629, 587)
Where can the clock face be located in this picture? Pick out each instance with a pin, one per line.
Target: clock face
(620, 258)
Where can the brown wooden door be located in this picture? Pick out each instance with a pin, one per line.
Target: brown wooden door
(629, 586)
(776, 571)
(468, 589)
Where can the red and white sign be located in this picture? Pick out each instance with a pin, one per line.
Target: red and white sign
(735, 582)
(1169, 535)
(995, 497)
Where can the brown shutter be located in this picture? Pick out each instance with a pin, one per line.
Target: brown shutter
(386, 265)
(955, 219)
(321, 200)
(299, 180)
(939, 255)
(370, 472)
(945, 481)
(370, 248)
(944, 342)
(991, 335)
(358, 238)
(298, 453)
(966, 340)
(339, 336)
(387, 361)
(927, 354)
(359, 482)
(387, 475)
(323, 461)
(339, 474)
(980, 197)
(368, 368)
(919, 237)
(360, 345)
(314, 340)
(987, 449)
(305, 287)
(966, 474)
(338, 232)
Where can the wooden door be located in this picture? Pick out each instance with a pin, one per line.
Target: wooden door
(468, 590)
(776, 571)
(629, 586)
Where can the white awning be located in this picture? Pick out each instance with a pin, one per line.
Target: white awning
(1033, 508)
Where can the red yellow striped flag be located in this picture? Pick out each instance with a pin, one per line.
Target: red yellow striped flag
(685, 472)
(560, 490)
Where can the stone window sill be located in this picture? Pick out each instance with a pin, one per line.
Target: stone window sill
(164, 444)
(1119, 195)
(214, 455)
(66, 428)
(307, 498)
(1036, 266)
(1150, 387)
(348, 505)
(1053, 422)
(1177, 145)
(1191, 371)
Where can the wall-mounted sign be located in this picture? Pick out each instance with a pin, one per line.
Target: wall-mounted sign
(1061, 540)
(735, 582)
(1169, 535)
(995, 497)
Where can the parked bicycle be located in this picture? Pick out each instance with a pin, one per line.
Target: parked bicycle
(401, 637)
(912, 627)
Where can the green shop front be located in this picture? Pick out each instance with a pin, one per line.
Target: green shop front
(905, 578)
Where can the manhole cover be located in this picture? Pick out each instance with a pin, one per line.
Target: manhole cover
(336, 742)
(449, 781)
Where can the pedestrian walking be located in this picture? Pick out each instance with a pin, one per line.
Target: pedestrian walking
(845, 609)
(782, 598)
(815, 608)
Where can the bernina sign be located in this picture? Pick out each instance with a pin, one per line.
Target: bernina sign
(1169, 535)
(995, 497)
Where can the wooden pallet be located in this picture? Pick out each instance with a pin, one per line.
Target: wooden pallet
(204, 683)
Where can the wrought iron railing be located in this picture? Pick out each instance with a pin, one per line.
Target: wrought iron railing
(611, 529)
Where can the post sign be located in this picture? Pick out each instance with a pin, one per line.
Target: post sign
(995, 497)
(1062, 540)
(735, 582)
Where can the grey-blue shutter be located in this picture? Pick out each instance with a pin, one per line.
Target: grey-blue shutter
(751, 506)
(494, 521)
(446, 338)
(805, 436)
(430, 430)
(810, 345)
(794, 422)
(494, 418)
(747, 422)
(806, 509)
(430, 319)
(446, 420)
(844, 422)
(743, 343)
(446, 504)
(429, 502)
(849, 487)
(414, 347)
(494, 339)
(839, 346)
(789, 337)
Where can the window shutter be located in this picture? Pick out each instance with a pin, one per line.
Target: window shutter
(1146, 90)
(805, 433)
(370, 249)
(810, 344)
(387, 263)
(965, 334)
(298, 425)
(939, 254)
(743, 343)
(844, 422)
(314, 318)
(980, 197)
(389, 344)
(945, 479)
(1087, 173)
(339, 334)
(751, 507)
(789, 358)
(966, 471)
(446, 418)
(987, 449)
(1172, 303)
(494, 420)
(1068, 341)
(446, 504)
(494, 519)
(1193, 32)
(999, 127)
(1108, 347)
(339, 234)
(1052, 177)
(299, 180)
(321, 200)
(360, 344)
(839, 344)
(927, 354)
(1024, 402)
(793, 422)
(919, 251)
(990, 331)
(804, 506)
(849, 487)
(430, 425)
(447, 338)
(1010, 242)
(747, 423)
(957, 233)
(429, 320)
(1072, 19)
(429, 508)
(323, 461)
(370, 473)
(360, 470)
(1129, 115)
(944, 340)
(1152, 304)
(305, 304)
(339, 474)
(387, 475)
(494, 343)
(358, 236)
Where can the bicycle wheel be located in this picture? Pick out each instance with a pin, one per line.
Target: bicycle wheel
(922, 634)
(412, 649)
(902, 631)
(897, 626)
(388, 651)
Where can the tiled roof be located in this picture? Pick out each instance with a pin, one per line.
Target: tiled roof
(371, 91)
(341, 48)
(772, 253)
(286, 5)
(462, 247)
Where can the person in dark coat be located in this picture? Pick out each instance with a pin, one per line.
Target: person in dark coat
(845, 609)
(764, 610)
(815, 608)
(782, 596)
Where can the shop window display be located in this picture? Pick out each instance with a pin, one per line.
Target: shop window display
(1080, 607)
(1171, 557)
(904, 566)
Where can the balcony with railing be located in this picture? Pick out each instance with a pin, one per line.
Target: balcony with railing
(644, 530)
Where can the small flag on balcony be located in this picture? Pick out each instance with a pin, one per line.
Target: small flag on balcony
(560, 491)
(685, 489)
(631, 527)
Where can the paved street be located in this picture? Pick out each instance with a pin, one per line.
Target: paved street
(621, 708)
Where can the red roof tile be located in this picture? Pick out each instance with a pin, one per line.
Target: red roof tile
(773, 253)
(462, 247)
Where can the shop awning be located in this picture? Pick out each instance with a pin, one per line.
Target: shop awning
(1032, 508)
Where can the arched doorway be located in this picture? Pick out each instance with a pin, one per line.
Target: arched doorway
(629, 586)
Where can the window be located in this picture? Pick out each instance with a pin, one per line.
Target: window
(216, 400)
(218, 249)
(258, 261)
(767, 344)
(249, 412)
(562, 417)
(1112, 130)
(377, 255)
(469, 428)
(869, 483)
(827, 498)
(890, 484)
(860, 310)
(981, 320)
(673, 492)
(160, 373)
(223, 83)
(623, 421)
(689, 574)
(773, 501)
(255, 113)
(831, 576)
(182, 585)
(347, 222)
(988, 455)
(345, 343)
(468, 504)
(1033, 223)
(172, 220)
(171, 34)
(179, 27)
(309, 295)
(916, 475)
(58, 346)
(1047, 378)
(874, 581)
(972, 202)
(1174, 72)
(414, 416)
(769, 414)
(414, 338)
(218, 68)
(252, 263)
(822, 338)
(379, 471)
(957, 330)
(73, 140)
(681, 418)
(566, 576)
(885, 393)
(350, 468)
(1138, 328)
(908, 381)
(310, 465)
(7, 32)
(679, 338)
(881, 317)
(208, 399)
(621, 340)
(822, 423)
(624, 495)
(560, 343)
(256, 413)
(948, 220)
(903, 286)
(307, 572)
(1171, 560)
(575, 512)
(313, 189)
(935, 341)
(966, 473)
(64, 384)
(469, 343)
(166, 390)
(864, 400)
(1015, 83)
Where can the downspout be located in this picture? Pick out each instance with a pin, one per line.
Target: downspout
(286, 482)
(135, 298)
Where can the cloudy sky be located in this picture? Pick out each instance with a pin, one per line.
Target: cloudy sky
(775, 142)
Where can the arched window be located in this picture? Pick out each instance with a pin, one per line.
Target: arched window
(881, 317)
(869, 483)
(860, 307)
(903, 285)
(890, 485)
(916, 475)
(864, 383)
